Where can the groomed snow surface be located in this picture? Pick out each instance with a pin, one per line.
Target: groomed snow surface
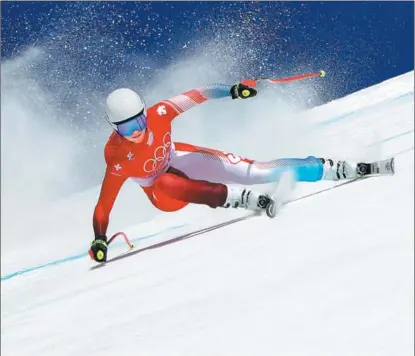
(332, 275)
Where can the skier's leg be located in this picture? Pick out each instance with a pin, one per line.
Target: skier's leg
(221, 167)
(191, 190)
(173, 191)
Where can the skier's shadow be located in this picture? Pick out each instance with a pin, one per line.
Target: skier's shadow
(169, 242)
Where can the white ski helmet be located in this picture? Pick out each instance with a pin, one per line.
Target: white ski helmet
(124, 104)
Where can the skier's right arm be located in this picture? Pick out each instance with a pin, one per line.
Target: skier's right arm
(110, 188)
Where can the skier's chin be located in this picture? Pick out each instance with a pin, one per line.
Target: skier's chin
(136, 138)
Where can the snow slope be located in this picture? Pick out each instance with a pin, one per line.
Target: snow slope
(332, 275)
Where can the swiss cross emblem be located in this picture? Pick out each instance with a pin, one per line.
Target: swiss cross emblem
(161, 110)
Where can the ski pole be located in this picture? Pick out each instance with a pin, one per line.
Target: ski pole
(252, 82)
(128, 242)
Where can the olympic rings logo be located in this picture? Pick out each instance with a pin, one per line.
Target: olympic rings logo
(161, 154)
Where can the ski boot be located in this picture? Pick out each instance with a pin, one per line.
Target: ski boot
(242, 197)
(340, 170)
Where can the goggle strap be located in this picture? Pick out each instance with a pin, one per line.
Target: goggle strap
(132, 117)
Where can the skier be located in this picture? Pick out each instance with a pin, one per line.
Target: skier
(174, 174)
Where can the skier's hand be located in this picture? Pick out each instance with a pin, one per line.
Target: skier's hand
(99, 249)
(242, 91)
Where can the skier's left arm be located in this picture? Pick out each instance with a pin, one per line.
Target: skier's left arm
(191, 98)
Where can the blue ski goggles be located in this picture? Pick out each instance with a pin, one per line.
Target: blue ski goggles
(135, 123)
